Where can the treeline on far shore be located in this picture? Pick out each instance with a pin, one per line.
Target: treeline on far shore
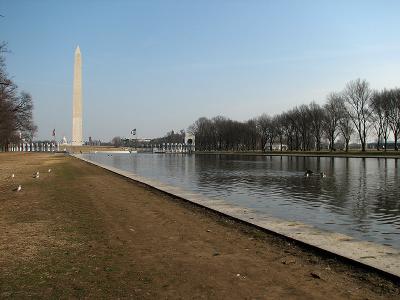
(356, 114)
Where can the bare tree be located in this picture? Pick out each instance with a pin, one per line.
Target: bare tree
(16, 119)
(116, 141)
(272, 132)
(204, 131)
(279, 122)
(303, 121)
(251, 135)
(23, 115)
(346, 129)
(220, 123)
(380, 115)
(334, 110)
(316, 122)
(357, 95)
(174, 137)
(263, 126)
(292, 129)
(394, 114)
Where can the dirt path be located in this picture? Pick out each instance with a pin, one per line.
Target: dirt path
(82, 232)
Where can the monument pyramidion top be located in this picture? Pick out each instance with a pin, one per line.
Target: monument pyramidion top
(77, 50)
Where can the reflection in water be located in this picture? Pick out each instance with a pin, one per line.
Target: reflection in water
(359, 197)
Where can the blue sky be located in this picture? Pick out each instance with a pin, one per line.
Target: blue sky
(160, 65)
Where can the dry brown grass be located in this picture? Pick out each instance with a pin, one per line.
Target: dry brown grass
(82, 232)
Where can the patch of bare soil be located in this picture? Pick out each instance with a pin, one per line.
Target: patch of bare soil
(83, 232)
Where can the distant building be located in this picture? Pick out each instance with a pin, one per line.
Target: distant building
(64, 141)
(190, 141)
(143, 140)
(277, 147)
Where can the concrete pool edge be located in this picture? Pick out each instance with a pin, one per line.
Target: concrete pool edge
(384, 259)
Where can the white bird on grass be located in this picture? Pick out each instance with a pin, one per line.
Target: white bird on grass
(17, 189)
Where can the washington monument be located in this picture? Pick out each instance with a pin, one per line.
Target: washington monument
(77, 139)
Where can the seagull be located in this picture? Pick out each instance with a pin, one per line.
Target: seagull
(323, 175)
(36, 175)
(49, 171)
(17, 189)
(12, 175)
(308, 173)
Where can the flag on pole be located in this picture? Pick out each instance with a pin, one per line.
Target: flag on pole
(54, 132)
(133, 131)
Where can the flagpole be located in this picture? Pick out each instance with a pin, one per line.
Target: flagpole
(133, 132)
(54, 135)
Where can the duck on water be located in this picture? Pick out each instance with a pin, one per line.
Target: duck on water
(309, 172)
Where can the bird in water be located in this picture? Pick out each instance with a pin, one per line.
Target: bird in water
(36, 175)
(322, 174)
(17, 189)
(49, 171)
(12, 176)
(308, 173)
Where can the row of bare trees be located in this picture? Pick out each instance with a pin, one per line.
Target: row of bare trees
(356, 113)
(16, 121)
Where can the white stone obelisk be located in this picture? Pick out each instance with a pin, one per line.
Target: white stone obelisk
(77, 139)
